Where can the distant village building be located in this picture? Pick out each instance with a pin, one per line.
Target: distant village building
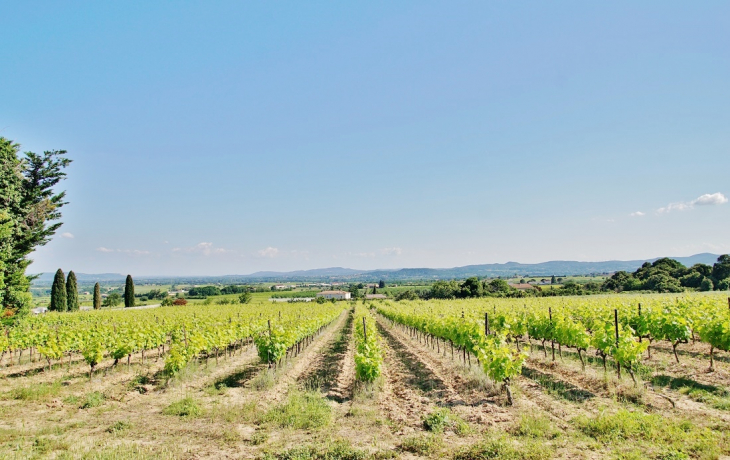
(375, 296)
(337, 295)
(39, 310)
(522, 286)
(281, 287)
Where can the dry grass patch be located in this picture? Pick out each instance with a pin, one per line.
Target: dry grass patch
(301, 410)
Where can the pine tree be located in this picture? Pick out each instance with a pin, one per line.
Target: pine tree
(129, 292)
(30, 210)
(58, 292)
(72, 292)
(97, 297)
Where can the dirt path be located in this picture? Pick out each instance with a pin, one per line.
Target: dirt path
(332, 371)
(298, 366)
(401, 398)
(462, 394)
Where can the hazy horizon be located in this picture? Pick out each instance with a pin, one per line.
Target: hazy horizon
(220, 138)
(172, 275)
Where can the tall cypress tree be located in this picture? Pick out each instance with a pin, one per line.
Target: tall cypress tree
(129, 292)
(97, 297)
(58, 292)
(72, 292)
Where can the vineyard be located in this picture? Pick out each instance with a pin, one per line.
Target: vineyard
(559, 377)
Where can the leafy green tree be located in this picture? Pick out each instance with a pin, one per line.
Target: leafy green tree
(29, 216)
(112, 300)
(97, 297)
(444, 290)
(354, 290)
(693, 279)
(205, 291)
(59, 300)
(72, 292)
(707, 285)
(245, 297)
(499, 286)
(471, 287)
(704, 269)
(721, 269)
(662, 282)
(723, 285)
(571, 288)
(167, 302)
(408, 294)
(129, 292)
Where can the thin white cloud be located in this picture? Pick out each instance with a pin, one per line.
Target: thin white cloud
(67, 235)
(204, 248)
(391, 251)
(708, 199)
(637, 214)
(269, 252)
(136, 252)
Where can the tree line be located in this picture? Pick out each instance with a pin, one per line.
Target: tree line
(663, 275)
(668, 275)
(208, 291)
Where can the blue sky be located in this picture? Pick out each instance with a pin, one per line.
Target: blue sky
(230, 137)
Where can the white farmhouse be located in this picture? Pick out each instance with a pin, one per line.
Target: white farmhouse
(338, 295)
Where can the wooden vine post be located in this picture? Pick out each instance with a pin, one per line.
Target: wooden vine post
(364, 330)
(552, 339)
(615, 321)
(268, 357)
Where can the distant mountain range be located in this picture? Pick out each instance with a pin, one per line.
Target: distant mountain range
(509, 269)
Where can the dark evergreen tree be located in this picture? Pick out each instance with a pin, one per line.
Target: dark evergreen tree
(29, 213)
(58, 292)
(97, 297)
(721, 270)
(381, 284)
(553, 280)
(129, 292)
(72, 292)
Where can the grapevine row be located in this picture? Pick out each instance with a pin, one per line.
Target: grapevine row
(368, 353)
(185, 332)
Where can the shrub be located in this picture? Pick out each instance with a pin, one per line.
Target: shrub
(94, 399)
(436, 421)
(119, 426)
(186, 407)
